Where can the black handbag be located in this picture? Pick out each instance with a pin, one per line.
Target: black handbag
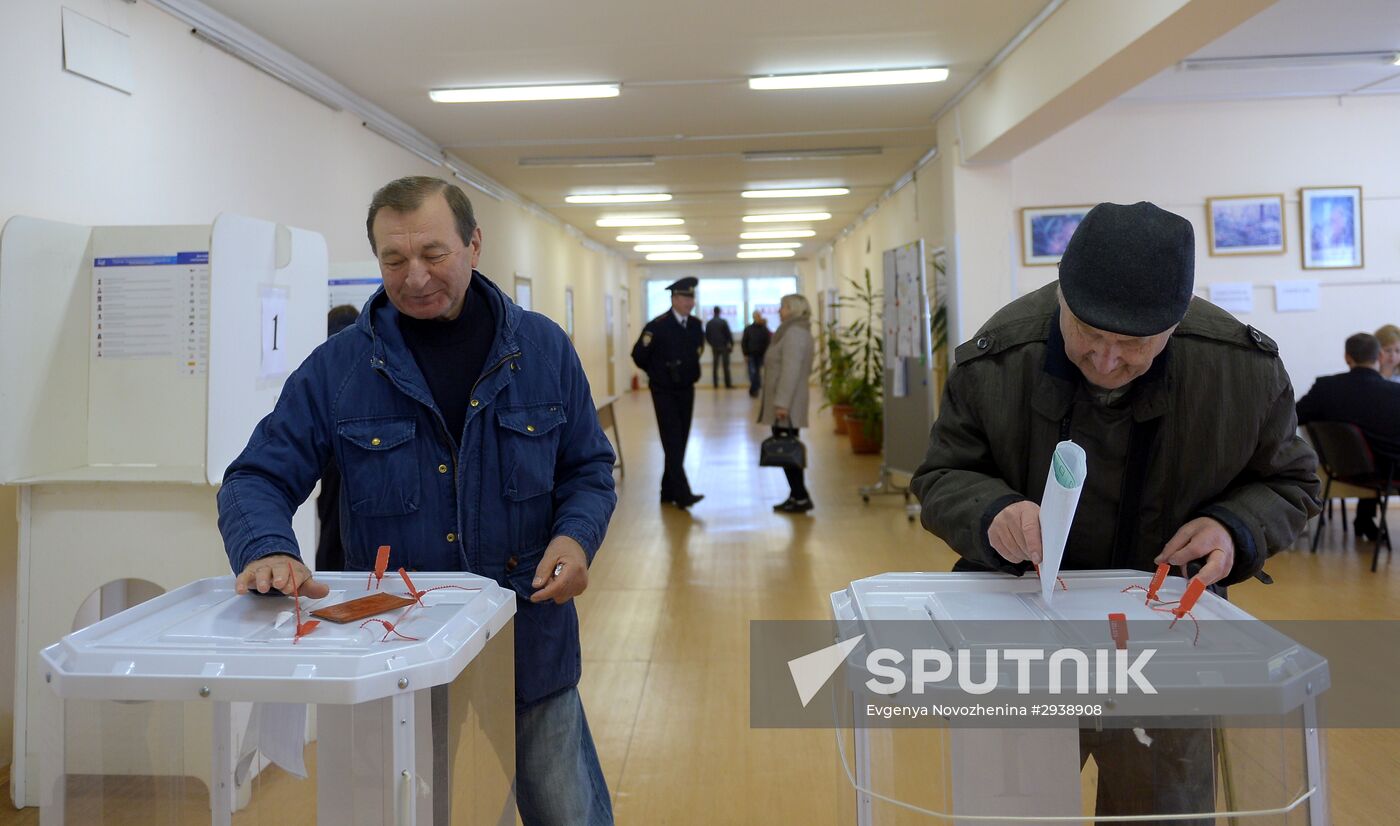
(783, 449)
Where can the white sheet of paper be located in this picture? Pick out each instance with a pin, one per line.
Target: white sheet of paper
(1068, 467)
(1233, 296)
(278, 731)
(1295, 296)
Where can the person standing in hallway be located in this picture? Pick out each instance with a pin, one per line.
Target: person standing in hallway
(754, 344)
(721, 340)
(669, 352)
(787, 366)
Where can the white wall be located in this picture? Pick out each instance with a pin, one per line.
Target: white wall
(205, 133)
(1178, 155)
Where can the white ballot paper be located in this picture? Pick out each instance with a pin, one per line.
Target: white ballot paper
(1068, 466)
(278, 732)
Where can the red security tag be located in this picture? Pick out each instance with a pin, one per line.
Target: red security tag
(1188, 599)
(1157, 580)
(412, 591)
(303, 628)
(381, 564)
(1118, 629)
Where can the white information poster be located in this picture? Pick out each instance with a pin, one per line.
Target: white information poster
(152, 306)
(1233, 296)
(908, 302)
(1295, 296)
(274, 314)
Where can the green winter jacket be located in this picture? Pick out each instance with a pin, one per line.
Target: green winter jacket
(1212, 432)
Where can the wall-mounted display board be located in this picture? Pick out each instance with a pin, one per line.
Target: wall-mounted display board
(137, 361)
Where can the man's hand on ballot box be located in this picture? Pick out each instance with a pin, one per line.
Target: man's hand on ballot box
(271, 574)
(1201, 537)
(1015, 533)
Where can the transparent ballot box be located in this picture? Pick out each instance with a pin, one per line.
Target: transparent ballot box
(970, 699)
(205, 706)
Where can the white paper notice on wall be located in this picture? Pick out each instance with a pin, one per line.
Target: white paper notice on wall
(1233, 296)
(1295, 296)
(274, 333)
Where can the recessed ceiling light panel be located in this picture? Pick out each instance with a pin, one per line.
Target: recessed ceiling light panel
(777, 233)
(781, 217)
(503, 94)
(841, 80)
(639, 221)
(620, 198)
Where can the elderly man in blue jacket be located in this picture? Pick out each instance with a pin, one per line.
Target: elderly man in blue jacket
(468, 441)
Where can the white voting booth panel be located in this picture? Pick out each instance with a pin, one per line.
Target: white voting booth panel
(1238, 670)
(412, 730)
(136, 365)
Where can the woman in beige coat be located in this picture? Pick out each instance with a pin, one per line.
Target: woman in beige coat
(787, 367)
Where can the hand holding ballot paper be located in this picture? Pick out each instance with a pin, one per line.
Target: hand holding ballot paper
(1025, 531)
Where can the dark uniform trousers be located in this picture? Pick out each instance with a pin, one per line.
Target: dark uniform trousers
(674, 408)
(669, 351)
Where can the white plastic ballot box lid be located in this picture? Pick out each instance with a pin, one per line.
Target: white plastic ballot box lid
(203, 641)
(1234, 664)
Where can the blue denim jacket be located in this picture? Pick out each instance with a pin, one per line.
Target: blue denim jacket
(533, 464)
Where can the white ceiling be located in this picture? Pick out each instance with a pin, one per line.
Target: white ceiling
(685, 99)
(683, 69)
(1292, 27)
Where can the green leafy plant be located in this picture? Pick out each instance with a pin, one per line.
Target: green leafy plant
(864, 342)
(835, 368)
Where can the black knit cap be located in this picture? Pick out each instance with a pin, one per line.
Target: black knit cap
(1129, 269)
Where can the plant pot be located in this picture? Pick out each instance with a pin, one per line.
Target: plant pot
(839, 412)
(861, 443)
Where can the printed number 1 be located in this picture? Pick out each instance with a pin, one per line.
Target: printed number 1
(274, 332)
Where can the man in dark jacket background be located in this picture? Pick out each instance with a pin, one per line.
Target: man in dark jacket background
(721, 341)
(754, 344)
(1186, 416)
(1360, 396)
(467, 440)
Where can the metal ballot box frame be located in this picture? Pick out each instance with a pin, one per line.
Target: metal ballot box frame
(198, 705)
(1241, 697)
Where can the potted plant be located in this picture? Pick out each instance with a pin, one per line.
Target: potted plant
(864, 343)
(835, 376)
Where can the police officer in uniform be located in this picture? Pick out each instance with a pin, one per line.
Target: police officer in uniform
(669, 351)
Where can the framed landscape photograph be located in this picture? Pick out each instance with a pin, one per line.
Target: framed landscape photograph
(1331, 227)
(1245, 225)
(1046, 230)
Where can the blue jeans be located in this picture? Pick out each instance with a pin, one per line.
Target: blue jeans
(558, 781)
(755, 374)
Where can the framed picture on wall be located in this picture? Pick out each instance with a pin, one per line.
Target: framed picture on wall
(569, 312)
(523, 293)
(1245, 225)
(1046, 230)
(1331, 227)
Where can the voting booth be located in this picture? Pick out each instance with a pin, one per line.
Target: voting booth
(1228, 732)
(137, 361)
(412, 709)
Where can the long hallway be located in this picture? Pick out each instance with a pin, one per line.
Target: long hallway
(665, 623)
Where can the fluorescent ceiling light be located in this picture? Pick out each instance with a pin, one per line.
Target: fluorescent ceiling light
(589, 160)
(635, 198)
(771, 245)
(777, 233)
(780, 217)
(674, 256)
(818, 192)
(767, 254)
(665, 248)
(650, 239)
(1292, 61)
(640, 222)
(836, 80)
(810, 154)
(497, 94)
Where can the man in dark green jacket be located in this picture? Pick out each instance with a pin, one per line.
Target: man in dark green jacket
(1186, 417)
